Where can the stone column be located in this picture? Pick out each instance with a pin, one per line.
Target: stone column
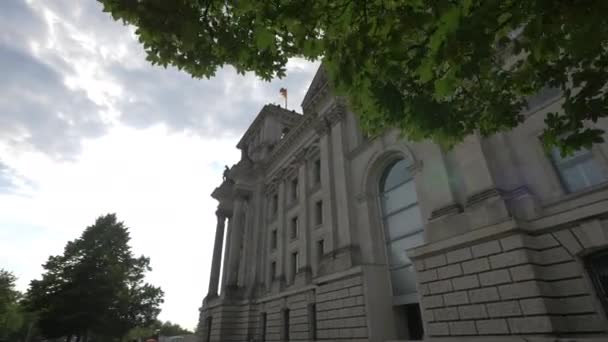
(236, 238)
(229, 230)
(217, 254)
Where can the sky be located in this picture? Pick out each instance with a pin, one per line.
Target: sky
(89, 127)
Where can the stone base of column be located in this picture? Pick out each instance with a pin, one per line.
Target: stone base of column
(233, 292)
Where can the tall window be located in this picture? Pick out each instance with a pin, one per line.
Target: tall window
(320, 250)
(312, 321)
(402, 230)
(263, 320)
(295, 264)
(295, 191)
(294, 227)
(597, 265)
(318, 213)
(402, 224)
(578, 171)
(273, 270)
(316, 175)
(273, 239)
(285, 332)
(274, 205)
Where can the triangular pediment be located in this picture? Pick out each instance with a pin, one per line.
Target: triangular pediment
(287, 118)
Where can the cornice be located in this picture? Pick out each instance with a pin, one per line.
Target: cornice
(318, 88)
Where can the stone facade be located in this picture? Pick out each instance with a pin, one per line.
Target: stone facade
(309, 254)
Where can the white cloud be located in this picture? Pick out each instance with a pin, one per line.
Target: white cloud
(88, 127)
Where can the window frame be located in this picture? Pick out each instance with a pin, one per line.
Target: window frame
(318, 212)
(316, 171)
(273, 270)
(409, 297)
(294, 186)
(560, 166)
(294, 228)
(295, 263)
(601, 292)
(320, 249)
(274, 239)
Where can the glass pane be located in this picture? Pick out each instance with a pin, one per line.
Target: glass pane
(584, 174)
(557, 157)
(397, 250)
(403, 281)
(402, 223)
(398, 198)
(573, 178)
(397, 173)
(593, 172)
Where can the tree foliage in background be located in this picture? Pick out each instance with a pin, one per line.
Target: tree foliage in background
(156, 328)
(11, 314)
(96, 288)
(172, 329)
(434, 69)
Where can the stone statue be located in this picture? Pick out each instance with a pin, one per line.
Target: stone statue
(226, 172)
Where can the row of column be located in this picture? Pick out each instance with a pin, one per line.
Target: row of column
(234, 238)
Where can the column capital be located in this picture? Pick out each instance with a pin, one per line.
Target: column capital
(222, 213)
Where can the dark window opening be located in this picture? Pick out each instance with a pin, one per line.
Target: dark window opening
(294, 190)
(295, 264)
(409, 322)
(284, 132)
(319, 213)
(273, 270)
(312, 320)
(597, 266)
(317, 172)
(263, 319)
(273, 239)
(285, 332)
(320, 250)
(294, 228)
(274, 205)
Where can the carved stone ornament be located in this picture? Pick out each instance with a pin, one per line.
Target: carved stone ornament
(321, 126)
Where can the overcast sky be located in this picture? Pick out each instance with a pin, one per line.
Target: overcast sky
(88, 127)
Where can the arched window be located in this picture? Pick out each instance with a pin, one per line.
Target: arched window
(402, 227)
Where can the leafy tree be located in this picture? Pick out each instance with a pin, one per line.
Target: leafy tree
(96, 287)
(11, 315)
(438, 69)
(172, 329)
(156, 328)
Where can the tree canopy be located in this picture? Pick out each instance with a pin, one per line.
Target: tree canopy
(435, 69)
(11, 315)
(96, 288)
(155, 329)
